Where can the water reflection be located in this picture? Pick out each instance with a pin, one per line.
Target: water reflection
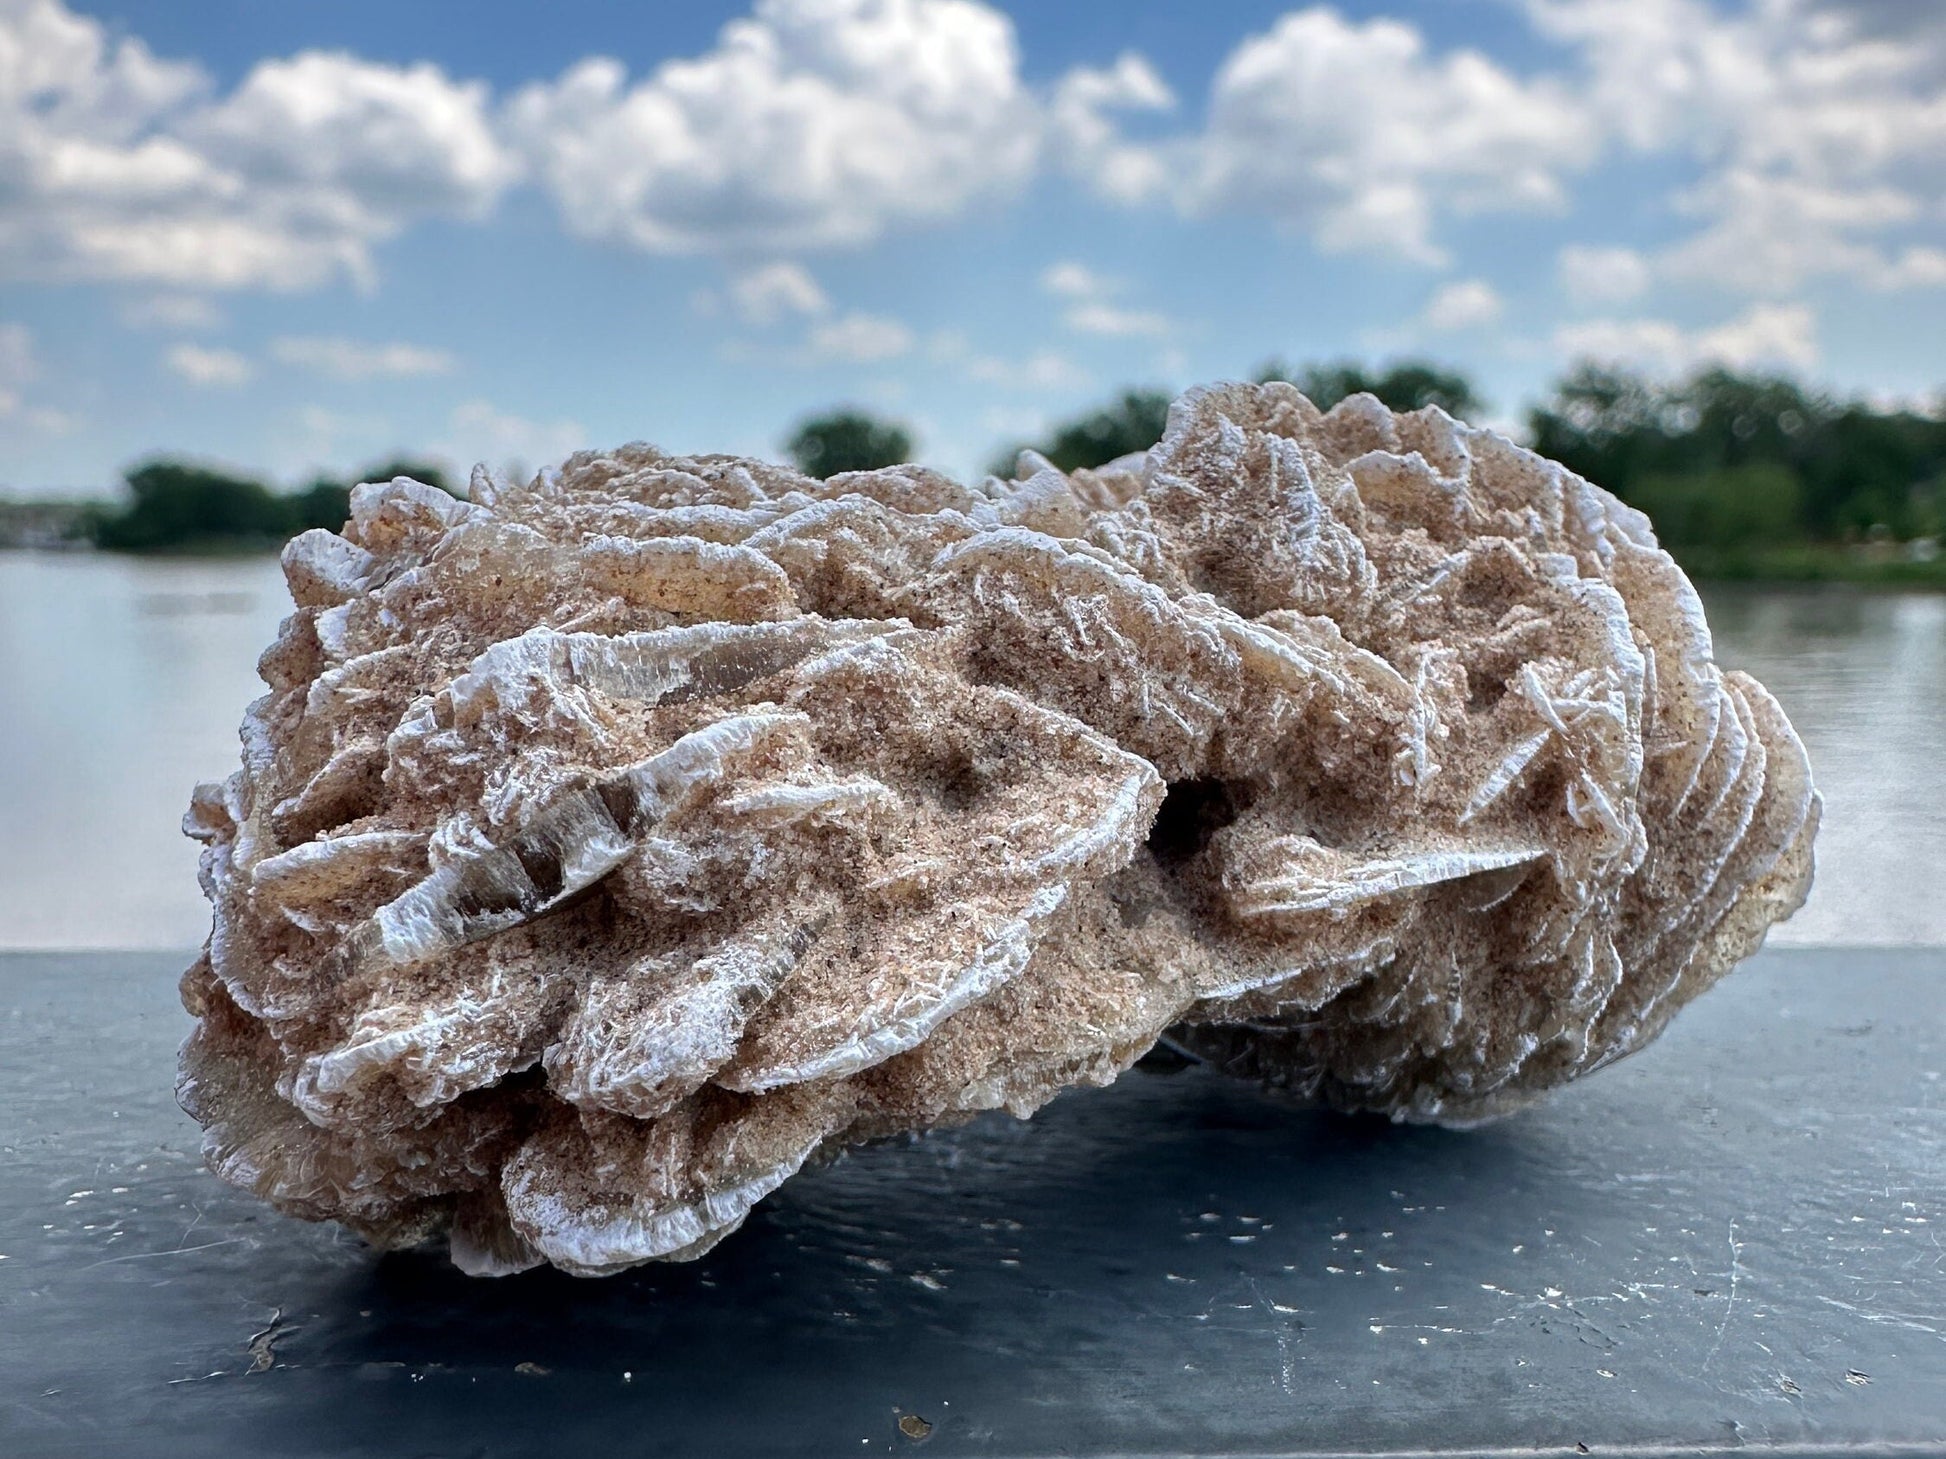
(1863, 677)
(121, 683)
(176, 605)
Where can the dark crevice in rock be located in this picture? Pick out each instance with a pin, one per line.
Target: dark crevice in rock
(1192, 812)
(955, 780)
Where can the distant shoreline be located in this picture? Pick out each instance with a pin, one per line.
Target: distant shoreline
(1871, 566)
(206, 548)
(1867, 565)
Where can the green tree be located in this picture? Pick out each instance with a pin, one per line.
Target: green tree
(326, 502)
(412, 466)
(1857, 469)
(847, 440)
(1132, 422)
(177, 503)
(1730, 510)
(1403, 385)
(1867, 468)
(183, 504)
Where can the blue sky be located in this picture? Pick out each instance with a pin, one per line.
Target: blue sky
(299, 236)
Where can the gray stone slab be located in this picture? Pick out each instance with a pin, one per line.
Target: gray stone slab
(1734, 1239)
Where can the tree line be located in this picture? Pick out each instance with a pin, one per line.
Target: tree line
(175, 505)
(1743, 474)
(1722, 460)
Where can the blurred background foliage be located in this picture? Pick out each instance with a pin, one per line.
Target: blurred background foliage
(1407, 385)
(1134, 421)
(1743, 475)
(848, 439)
(188, 506)
(1839, 468)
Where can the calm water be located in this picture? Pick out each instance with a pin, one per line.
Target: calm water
(121, 683)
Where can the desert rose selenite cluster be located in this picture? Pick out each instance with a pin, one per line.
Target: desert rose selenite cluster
(605, 848)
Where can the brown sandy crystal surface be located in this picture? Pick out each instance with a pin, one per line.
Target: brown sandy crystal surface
(607, 847)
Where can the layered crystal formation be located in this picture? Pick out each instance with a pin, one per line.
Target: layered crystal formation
(608, 847)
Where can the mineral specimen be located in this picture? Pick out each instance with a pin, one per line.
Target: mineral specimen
(608, 847)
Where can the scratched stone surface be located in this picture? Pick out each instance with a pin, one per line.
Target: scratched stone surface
(1732, 1239)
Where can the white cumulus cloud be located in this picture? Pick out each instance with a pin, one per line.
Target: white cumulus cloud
(1090, 304)
(173, 311)
(1116, 322)
(1764, 335)
(1771, 234)
(1083, 127)
(202, 366)
(1356, 135)
(1070, 280)
(393, 142)
(1806, 140)
(1464, 304)
(859, 338)
(1814, 132)
(811, 123)
(122, 166)
(1818, 129)
(765, 295)
(1592, 274)
(507, 442)
(1040, 370)
(350, 359)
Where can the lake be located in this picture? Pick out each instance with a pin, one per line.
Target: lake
(122, 681)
